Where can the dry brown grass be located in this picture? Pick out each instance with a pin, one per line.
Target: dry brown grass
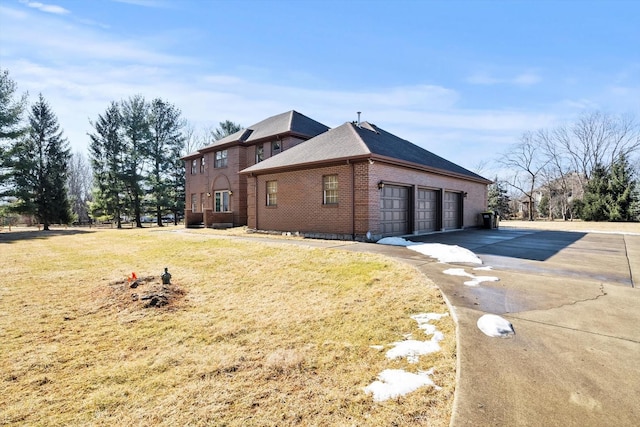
(262, 333)
(607, 227)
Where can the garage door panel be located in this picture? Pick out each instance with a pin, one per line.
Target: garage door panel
(451, 211)
(427, 210)
(394, 210)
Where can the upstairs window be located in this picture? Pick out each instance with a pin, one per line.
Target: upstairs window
(221, 159)
(330, 189)
(194, 167)
(202, 164)
(259, 153)
(221, 201)
(276, 147)
(272, 193)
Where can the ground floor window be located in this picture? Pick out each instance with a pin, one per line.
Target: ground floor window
(194, 202)
(330, 189)
(272, 193)
(221, 201)
(202, 202)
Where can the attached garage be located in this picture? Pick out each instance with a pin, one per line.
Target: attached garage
(452, 210)
(427, 208)
(394, 210)
(386, 186)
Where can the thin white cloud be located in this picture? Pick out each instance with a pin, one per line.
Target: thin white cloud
(523, 79)
(48, 8)
(44, 39)
(526, 79)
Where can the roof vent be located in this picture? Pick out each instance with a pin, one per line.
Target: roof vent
(359, 112)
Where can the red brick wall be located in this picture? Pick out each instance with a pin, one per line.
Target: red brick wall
(227, 178)
(300, 207)
(300, 202)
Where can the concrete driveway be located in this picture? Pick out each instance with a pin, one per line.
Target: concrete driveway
(574, 304)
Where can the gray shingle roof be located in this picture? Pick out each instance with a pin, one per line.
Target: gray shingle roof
(351, 141)
(289, 122)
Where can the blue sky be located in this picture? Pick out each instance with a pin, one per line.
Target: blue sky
(463, 79)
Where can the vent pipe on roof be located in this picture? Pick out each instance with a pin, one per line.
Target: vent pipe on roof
(359, 118)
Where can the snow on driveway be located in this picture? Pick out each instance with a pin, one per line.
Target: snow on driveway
(396, 382)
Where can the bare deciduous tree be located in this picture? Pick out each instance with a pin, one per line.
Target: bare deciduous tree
(80, 183)
(598, 139)
(527, 163)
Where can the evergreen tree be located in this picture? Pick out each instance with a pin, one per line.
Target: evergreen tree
(544, 207)
(40, 168)
(635, 203)
(166, 140)
(135, 127)
(498, 200)
(11, 128)
(106, 152)
(225, 128)
(596, 195)
(621, 190)
(176, 192)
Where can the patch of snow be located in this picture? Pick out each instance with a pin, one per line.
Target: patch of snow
(485, 268)
(495, 326)
(446, 253)
(412, 349)
(377, 347)
(475, 280)
(396, 241)
(423, 320)
(443, 253)
(393, 383)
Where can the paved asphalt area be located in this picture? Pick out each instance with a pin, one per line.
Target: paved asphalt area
(574, 302)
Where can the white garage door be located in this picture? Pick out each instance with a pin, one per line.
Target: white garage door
(451, 210)
(394, 210)
(427, 210)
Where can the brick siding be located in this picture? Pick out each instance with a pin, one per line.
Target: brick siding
(300, 207)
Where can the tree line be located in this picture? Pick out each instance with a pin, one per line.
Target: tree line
(134, 172)
(135, 156)
(34, 157)
(587, 169)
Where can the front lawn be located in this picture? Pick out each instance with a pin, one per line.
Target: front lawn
(254, 333)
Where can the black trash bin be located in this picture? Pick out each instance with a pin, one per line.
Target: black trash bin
(487, 220)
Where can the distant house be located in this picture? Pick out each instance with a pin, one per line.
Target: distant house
(358, 181)
(560, 193)
(216, 195)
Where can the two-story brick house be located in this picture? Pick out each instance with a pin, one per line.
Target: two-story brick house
(216, 194)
